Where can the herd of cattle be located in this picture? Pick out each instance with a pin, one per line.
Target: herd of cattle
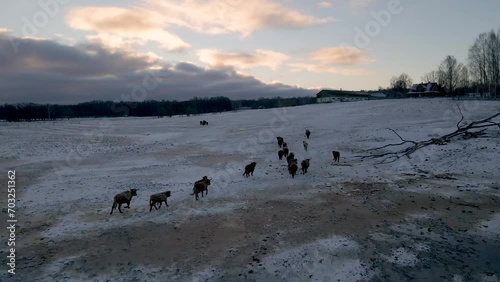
(201, 186)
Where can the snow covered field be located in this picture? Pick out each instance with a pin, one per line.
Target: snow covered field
(434, 217)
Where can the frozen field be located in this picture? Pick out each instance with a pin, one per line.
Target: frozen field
(435, 217)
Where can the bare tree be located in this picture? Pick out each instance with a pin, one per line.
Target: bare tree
(493, 62)
(464, 81)
(477, 60)
(432, 76)
(449, 73)
(401, 83)
(484, 61)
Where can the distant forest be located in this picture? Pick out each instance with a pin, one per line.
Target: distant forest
(195, 106)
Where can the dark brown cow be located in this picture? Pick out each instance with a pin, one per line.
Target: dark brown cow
(158, 198)
(123, 198)
(305, 165)
(293, 167)
(285, 152)
(280, 154)
(249, 169)
(336, 156)
(280, 141)
(200, 186)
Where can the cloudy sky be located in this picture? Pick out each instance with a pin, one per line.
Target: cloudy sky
(67, 51)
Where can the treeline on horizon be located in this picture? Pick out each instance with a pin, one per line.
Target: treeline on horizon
(480, 74)
(195, 106)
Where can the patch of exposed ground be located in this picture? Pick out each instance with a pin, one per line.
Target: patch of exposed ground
(400, 236)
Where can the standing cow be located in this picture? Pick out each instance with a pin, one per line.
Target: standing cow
(280, 141)
(305, 165)
(280, 154)
(249, 169)
(336, 156)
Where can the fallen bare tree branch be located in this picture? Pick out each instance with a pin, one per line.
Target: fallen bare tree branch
(467, 130)
(461, 117)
